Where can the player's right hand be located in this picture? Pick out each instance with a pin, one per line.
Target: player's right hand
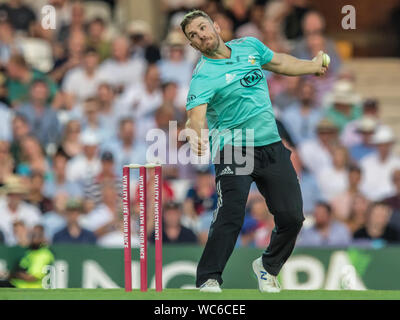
(320, 69)
(198, 146)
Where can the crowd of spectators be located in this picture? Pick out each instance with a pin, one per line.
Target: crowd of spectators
(68, 127)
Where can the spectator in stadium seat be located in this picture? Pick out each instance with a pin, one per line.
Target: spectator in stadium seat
(108, 113)
(92, 121)
(366, 127)
(175, 67)
(58, 182)
(140, 100)
(21, 233)
(314, 39)
(96, 38)
(254, 26)
(104, 218)
(351, 135)
(20, 15)
(273, 36)
(9, 44)
(377, 228)
(36, 196)
(378, 167)
(41, 117)
(126, 147)
(82, 81)
(20, 129)
(87, 164)
(342, 202)
(54, 220)
(71, 144)
(357, 213)
(13, 208)
(20, 79)
(76, 23)
(120, 70)
(73, 56)
(33, 158)
(73, 233)
(325, 231)
(92, 187)
(317, 153)
(302, 117)
(201, 197)
(345, 107)
(173, 232)
(239, 12)
(289, 95)
(333, 180)
(141, 42)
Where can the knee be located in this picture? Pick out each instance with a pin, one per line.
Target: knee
(293, 221)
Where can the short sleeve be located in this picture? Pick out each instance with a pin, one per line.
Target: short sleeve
(200, 92)
(266, 53)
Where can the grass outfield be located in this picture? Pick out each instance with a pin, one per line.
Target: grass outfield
(181, 294)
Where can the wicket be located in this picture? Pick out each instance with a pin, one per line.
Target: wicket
(142, 224)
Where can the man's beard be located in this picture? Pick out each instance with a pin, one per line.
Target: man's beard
(211, 51)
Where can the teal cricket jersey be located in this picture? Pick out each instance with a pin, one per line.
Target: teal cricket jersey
(236, 92)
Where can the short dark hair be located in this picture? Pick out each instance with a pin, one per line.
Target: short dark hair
(325, 205)
(191, 15)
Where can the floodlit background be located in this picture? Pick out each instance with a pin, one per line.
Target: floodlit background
(77, 101)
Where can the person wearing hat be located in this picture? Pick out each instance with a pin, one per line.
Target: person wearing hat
(175, 67)
(365, 127)
(87, 164)
(345, 104)
(316, 153)
(378, 167)
(73, 232)
(350, 135)
(15, 208)
(142, 44)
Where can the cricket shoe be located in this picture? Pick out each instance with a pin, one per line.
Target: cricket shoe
(211, 285)
(266, 282)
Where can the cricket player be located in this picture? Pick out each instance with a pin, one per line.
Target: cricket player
(228, 91)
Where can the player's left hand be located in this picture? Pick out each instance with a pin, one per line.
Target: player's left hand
(320, 69)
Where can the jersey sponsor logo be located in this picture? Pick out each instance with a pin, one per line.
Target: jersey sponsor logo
(252, 78)
(229, 77)
(251, 59)
(190, 98)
